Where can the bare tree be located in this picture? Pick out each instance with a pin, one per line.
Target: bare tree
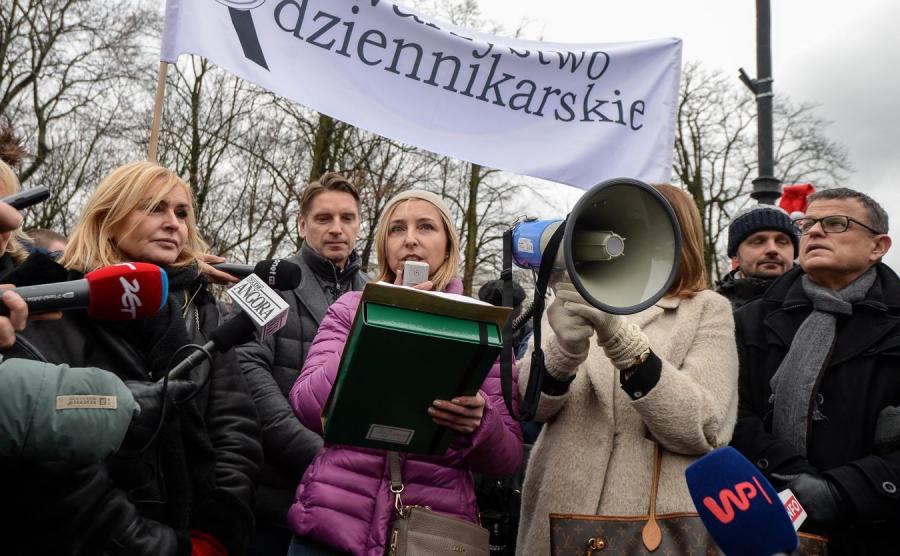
(715, 150)
(67, 75)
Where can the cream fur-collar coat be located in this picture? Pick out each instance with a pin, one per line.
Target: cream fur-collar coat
(595, 454)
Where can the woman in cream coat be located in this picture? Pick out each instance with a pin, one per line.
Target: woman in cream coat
(667, 375)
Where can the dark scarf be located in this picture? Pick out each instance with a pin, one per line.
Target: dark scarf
(740, 290)
(334, 282)
(796, 382)
(158, 337)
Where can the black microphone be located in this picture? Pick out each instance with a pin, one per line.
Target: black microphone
(27, 198)
(227, 335)
(277, 273)
(267, 320)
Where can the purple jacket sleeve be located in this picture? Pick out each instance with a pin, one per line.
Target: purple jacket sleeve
(495, 448)
(310, 392)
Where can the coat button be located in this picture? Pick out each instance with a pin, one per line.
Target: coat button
(762, 463)
(889, 487)
(637, 394)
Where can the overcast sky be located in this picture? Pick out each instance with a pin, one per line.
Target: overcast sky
(842, 55)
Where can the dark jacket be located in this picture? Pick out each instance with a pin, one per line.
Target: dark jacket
(861, 379)
(271, 368)
(198, 472)
(740, 291)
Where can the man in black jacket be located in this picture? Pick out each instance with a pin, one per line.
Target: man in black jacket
(820, 377)
(763, 242)
(329, 223)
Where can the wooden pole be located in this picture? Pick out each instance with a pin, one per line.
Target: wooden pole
(157, 111)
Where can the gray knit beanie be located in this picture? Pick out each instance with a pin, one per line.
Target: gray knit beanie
(757, 219)
(423, 195)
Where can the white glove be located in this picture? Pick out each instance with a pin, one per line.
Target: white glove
(605, 324)
(573, 332)
(622, 342)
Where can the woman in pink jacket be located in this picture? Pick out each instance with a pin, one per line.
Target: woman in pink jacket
(344, 504)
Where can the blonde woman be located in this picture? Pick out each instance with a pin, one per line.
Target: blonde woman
(343, 504)
(188, 484)
(619, 385)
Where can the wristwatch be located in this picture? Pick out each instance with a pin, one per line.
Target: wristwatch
(641, 358)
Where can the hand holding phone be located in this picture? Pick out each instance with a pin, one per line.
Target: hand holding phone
(414, 272)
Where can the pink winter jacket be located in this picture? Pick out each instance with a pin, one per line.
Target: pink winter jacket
(344, 500)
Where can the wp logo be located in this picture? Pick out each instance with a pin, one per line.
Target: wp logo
(246, 31)
(739, 498)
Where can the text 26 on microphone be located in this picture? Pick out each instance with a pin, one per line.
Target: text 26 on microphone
(261, 303)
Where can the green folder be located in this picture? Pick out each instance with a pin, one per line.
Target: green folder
(407, 348)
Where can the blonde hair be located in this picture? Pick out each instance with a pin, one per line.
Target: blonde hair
(127, 188)
(448, 269)
(691, 276)
(9, 184)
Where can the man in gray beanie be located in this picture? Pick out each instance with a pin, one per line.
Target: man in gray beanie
(763, 243)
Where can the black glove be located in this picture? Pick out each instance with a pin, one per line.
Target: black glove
(149, 396)
(887, 431)
(820, 497)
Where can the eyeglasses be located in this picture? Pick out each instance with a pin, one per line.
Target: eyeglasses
(833, 224)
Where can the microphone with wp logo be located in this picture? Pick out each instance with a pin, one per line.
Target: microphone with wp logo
(740, 508)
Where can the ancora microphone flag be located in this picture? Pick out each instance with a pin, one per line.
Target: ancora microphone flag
(572, 113)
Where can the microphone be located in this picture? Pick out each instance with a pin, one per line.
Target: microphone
(119, 292)
(277, 273)
(27, 198)
(262, 309)
(738, 506)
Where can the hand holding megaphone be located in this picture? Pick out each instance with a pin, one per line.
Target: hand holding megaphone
(604, 324)
(622, 342)
(573, 331)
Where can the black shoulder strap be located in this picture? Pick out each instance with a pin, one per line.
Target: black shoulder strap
(528, 407)
(506, 356)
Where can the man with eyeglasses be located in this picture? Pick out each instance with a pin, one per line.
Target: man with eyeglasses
(763, 242)
(819, 409)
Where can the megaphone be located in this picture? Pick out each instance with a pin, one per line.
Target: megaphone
(621, 245)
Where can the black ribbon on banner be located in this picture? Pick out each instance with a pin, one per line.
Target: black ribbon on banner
(246, 32)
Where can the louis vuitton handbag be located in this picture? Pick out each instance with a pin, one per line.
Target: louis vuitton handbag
(670, 534)
(418, 531)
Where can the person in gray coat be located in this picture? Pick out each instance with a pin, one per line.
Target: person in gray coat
(329, 223)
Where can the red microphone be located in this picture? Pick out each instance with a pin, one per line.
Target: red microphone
(120, 292)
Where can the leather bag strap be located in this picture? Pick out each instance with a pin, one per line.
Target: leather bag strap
(396, 481)
(396, 476)
(651, 534)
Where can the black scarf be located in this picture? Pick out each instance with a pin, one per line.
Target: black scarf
(156, 338)
(334, 282)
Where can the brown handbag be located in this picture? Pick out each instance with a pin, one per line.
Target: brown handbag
(675, 533)
(418, 531)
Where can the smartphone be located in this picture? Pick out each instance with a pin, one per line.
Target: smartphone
(27, 198)
(414, 272)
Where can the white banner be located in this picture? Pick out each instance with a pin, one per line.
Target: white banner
(571, 113)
